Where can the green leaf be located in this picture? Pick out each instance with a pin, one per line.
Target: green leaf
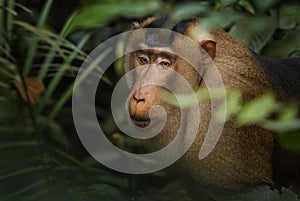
(233, 104)
(288, 195)
(21, 171)
(105, 192)
(254, 32)
(24, 8)
(263, 5)
(56, 132)
(285, 47)
(51, 38)
(4, 85)
(18, 144)
(60, 73)
(120, 182)
(223, 18)
(10, 17)
(257, 110)
(190, 9)
(95, 15)
(245, 4)
(290, 140)
(282, 126)
(32, 48)
(295, 53)
(25, 189)
(13, 129)
(225, 3)
(289, 15)
(289, 112)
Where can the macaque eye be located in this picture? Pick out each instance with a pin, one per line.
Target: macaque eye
(165, 64)
(142, 59)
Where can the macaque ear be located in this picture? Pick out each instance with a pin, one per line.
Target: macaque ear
(136, 25)
(210, 47)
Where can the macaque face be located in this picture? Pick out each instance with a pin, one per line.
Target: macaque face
(159, 66)
(163, 62)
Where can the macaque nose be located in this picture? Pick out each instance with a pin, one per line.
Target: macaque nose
(143, 99)
(143, 95)
(139, 107)
(138, 97)
(141, 103)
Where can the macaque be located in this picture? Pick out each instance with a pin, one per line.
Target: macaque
(244, 157)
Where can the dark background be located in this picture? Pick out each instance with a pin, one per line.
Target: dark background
(41, 157)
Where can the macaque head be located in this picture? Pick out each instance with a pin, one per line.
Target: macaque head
(157, 62)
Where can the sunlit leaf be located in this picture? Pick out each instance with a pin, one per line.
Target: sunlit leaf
(288, 112)
(282, 126)
(257, 110)
(233, 104)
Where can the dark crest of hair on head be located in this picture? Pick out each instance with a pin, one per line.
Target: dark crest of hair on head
(182, 25)
(159, 22)
(158, 38)
(155, 38)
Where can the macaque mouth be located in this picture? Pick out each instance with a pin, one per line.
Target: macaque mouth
(140, 121)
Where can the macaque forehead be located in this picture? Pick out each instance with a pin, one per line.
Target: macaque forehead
(163, 41)
(157, 50)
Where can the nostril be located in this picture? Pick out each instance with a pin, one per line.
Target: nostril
(138, 99)
(139, 96)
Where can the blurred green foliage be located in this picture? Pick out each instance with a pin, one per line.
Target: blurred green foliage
(41, 157)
